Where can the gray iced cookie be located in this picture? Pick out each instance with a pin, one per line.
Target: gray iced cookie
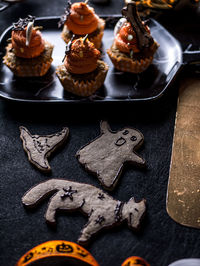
(39, 147)
(102, 210)
(106, 155)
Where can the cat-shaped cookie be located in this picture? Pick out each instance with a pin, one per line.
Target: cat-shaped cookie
(106, 155)
(102, 210)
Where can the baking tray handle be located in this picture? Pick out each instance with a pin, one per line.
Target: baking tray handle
(4, 5)
(191, 56)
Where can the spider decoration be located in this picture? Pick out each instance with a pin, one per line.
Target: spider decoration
(66, 14)
(22, 23)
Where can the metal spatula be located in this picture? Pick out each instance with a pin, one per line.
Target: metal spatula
(183, 196)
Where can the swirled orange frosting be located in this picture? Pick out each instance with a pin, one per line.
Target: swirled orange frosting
(82, 19)
(82, 58)
(35, 47)
(126, 39)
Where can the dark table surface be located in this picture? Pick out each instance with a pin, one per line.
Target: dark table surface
(160, 240)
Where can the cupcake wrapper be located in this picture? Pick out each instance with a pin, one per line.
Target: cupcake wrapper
(128, 64)
(82, 87)
(33, 67)
(96, 39)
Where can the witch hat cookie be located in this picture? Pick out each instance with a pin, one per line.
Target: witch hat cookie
(39, 147)
(106, 155)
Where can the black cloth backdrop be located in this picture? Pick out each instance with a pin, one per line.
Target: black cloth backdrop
(160, 240)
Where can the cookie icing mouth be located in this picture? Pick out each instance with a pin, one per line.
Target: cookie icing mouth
(121, 141)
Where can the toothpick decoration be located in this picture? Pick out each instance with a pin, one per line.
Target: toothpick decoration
(68, 46)
(85, 38)
(86, 2)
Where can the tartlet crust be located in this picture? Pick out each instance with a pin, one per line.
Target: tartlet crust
(125, 63)
(82, 87)
(29, 67)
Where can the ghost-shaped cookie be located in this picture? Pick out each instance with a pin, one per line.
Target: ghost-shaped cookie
(106, 155)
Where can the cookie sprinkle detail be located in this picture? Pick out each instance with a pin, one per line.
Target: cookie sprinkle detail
(100, 220)
(38, 145)
(22, 23)
(101, 196)
(118, 211)
(68, 193)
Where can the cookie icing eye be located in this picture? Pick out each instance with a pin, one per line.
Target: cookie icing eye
(120, 142)
(133, 138)
(125, 132)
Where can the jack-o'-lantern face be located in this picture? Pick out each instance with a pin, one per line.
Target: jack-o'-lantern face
(135, 261)
(64, 248)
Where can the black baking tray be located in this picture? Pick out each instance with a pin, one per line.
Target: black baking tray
(118, 86)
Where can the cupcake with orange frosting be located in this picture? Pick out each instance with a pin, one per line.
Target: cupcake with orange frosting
(133, 48)
(28, 55)
(80, 19)
(82, 72)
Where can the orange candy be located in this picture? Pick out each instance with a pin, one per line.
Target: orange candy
(82, 19)
(82, 57)
(36, 45)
